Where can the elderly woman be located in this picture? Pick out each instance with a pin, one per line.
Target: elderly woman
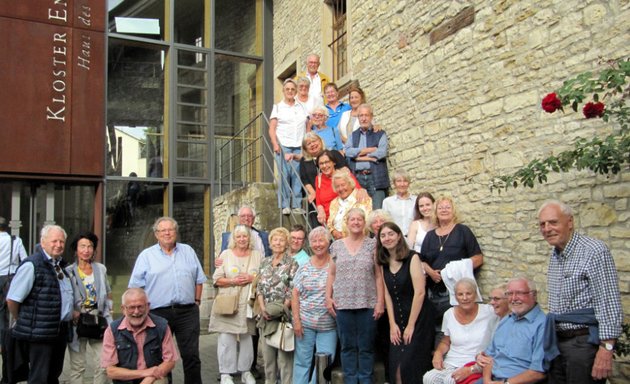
(423, 220)
(287, 126)
(400, 205)
(240, 264)
(303, 88)
(468, 329)
(410, 314)
(349, 121)
(449, 242)
(273, 293)
(347, 198)
(330, 135)
(324, 192)
(354, 295)
(376, 219)
(312, 147)
(315, 328)
(93, 295)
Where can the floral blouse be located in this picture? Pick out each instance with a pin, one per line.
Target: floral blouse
(276, 283)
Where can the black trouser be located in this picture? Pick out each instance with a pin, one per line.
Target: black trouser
(575, 362)
(46, 359)
(184, 324)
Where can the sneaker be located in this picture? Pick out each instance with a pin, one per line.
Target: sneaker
(247, 378)
(286, 211)
(298, 211)
(227, 379)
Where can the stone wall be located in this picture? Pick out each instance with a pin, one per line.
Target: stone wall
(468, 107)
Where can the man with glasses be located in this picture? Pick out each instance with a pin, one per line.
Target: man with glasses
(246, 217)
(172, 276)
(366, 151)
(583, 288)
(516, 352)
(317, 79)
(147, 335)
(40, 300)
(297, 237)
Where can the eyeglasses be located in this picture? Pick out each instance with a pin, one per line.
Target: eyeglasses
(165, 230)
(495, 298)
(246, 216)
(317, 115)
(133, 308)
(297, 238)
(517, 293)
(444, 208)
(59, 272)
(325, 162)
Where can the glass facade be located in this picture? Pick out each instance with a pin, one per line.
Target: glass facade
(182, 76)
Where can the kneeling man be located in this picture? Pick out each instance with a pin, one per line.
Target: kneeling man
(138, 348)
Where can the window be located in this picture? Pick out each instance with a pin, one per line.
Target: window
(339, 44)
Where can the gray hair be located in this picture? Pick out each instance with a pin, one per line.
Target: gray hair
(238, 230)
(165, 218)
(303, 80)
(47, 228)
(467, 281)
(342, 174)
(245, 206)
(564, 208)
(400, 174)
(319, 232)
(134, 292)
(531, 284)
(321, 108)
(376, 214)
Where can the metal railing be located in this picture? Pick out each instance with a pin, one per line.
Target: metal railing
(241, 161)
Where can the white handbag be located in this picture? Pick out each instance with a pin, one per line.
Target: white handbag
(283, 338)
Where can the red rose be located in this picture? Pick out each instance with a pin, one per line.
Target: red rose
(592, 110)
(551, 103)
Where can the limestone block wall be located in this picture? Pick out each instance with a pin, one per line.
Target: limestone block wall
(468, 107)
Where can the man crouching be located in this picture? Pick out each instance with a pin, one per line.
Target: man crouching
(138, 348)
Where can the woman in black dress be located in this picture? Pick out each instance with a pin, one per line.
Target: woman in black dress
(411, 317)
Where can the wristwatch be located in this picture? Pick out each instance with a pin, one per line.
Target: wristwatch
(607, 346)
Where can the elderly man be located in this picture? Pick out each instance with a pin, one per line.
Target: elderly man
(172, 276)
(246, 217)
(366, 151)
(583, 288)
(516, 352)
(150, 353)
(317, 79)
(40, 299)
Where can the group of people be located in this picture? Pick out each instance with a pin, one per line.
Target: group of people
(369, 281)
(53, 305)
(311, 121)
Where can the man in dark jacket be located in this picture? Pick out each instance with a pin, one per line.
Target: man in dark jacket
(40, 299)
(138, 334)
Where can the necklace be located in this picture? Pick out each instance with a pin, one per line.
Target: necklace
(443, 242)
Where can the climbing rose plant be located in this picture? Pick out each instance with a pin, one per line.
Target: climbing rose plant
(606, 94)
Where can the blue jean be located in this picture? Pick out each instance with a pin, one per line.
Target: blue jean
(356, 328)
(289, 178)
(377, 195)
(322, 342)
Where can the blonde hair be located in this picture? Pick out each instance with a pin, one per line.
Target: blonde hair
(280, 231)
(453, 209)
(238, 230)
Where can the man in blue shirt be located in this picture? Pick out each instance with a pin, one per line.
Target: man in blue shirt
(40, 299)
(516, 350)
(173, 278)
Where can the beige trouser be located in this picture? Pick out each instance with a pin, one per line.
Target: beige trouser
(78, 362)
(275, 360)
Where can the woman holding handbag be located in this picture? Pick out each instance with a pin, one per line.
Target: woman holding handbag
(92, 301)
(274, 297)
(235, 323)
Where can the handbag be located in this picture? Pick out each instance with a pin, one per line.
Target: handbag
(283, 338)
(226, 304)
(91, 326)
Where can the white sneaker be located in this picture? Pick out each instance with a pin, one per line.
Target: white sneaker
(227, 379)
(248, 378)
(298, 211)
(286, 211)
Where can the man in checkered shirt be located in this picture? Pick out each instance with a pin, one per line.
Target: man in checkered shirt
(583, 286)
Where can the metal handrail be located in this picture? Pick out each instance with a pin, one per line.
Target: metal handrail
(242, 163)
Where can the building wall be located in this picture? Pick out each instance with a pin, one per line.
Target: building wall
(468, 107)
